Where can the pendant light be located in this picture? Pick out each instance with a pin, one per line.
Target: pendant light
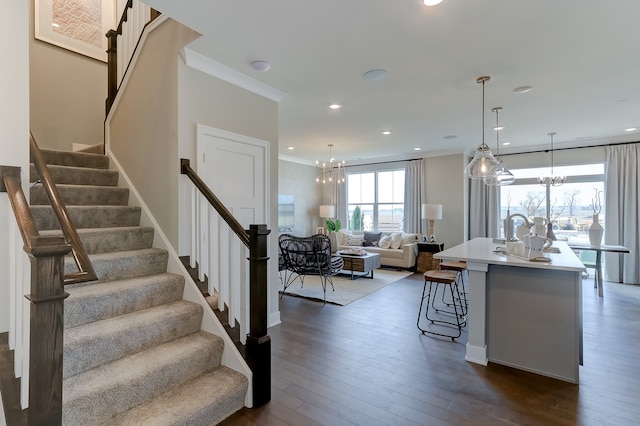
(552, 179)
(500, 175)
(483, 161)
(330, 171)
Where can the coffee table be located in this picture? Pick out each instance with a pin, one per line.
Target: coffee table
(360, 263)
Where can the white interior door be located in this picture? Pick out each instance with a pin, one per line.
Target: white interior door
(236, 169)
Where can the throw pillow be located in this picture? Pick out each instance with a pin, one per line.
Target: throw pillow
(408, 238)
(371, 239)
(385, 242)
(396, 240)
(353, 240)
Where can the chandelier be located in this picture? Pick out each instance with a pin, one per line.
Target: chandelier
(330, 171)
(500, 175)
(483, 161)
(552, 179)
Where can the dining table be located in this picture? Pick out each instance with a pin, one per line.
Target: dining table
(597, 280)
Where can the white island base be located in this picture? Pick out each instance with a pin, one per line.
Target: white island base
(523, 314)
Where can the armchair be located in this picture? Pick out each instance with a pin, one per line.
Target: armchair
(304, 256)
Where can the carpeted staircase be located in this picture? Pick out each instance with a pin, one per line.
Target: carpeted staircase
(134, 353)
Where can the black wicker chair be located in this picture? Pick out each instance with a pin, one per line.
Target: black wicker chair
(304, 256)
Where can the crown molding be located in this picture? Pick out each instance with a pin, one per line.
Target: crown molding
(214, 68)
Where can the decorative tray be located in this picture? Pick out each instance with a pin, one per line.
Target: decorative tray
(353, 252)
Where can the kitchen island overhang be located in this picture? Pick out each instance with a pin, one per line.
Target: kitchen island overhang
(523, 314)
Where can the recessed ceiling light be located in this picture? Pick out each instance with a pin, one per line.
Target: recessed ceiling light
(522, 89)
(450, 137)
(372, 75)
(386, 132)
(335, 106)
(290, 148)
(417, 148)
(506, 143)
(630, 129)
(430, 2)
(261, 66)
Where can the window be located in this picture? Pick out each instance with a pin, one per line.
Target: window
(570, 204)
(375, 200)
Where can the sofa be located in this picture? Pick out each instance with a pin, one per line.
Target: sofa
(397, 249)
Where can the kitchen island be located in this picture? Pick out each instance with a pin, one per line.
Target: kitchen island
(523, 314)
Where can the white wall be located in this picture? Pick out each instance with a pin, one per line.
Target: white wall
(14, 121)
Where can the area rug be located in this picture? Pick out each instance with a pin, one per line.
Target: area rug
(346, 290)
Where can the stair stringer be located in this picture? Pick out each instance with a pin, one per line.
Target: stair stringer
(231, 356)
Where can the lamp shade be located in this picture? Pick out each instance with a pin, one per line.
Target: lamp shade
(432, 211)
(327, 211)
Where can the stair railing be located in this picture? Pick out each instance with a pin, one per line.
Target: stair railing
(46, 255)
(122, 43)
(85, 268)
(258, 342)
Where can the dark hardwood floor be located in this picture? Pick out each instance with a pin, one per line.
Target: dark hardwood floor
(367, 364)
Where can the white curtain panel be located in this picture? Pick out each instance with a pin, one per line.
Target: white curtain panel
(340, 199)
(414, 194)
(484, 210)
(622, 223)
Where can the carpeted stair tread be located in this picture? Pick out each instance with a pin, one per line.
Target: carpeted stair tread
(75, 159)
(97, 302)
(82, 195)
(97, 343)
(99, 394)
(205, 400)
(104, 240)
(123, 264)
(78, 175)
(88, 216)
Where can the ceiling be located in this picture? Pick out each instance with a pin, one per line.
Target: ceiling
(581, 59)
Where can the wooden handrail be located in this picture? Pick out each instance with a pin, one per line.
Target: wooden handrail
(46, 255)
(26, 223)
(86, 271)
(233, 223)
(112, 54)
(258, 348)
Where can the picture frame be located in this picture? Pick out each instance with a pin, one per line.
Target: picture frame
(79, 26)
(320, 230)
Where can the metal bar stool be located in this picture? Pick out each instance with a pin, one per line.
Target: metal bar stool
(459, 267)
(434, 279)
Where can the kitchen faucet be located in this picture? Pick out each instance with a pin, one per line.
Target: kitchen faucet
(508, 226)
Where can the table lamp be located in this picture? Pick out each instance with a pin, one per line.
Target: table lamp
(431, 212)
(327, 211)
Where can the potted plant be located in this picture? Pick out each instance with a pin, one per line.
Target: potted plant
(333, 225)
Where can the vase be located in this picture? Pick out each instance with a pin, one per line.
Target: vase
(595, 232)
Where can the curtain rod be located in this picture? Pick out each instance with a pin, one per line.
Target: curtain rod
(383, 162)
(572, 147)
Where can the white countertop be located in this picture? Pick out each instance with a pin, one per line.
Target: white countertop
(481, 250)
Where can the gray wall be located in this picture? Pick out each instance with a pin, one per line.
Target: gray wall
(67, 94)
(299, 180)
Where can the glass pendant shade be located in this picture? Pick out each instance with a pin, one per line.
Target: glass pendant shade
(482, 164)
(500, 175)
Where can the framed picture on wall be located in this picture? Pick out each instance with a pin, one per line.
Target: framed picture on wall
(76, 25)
(320, 230)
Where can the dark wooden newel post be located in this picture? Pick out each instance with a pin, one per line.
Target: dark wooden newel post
(258, 341)
(47, 325)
